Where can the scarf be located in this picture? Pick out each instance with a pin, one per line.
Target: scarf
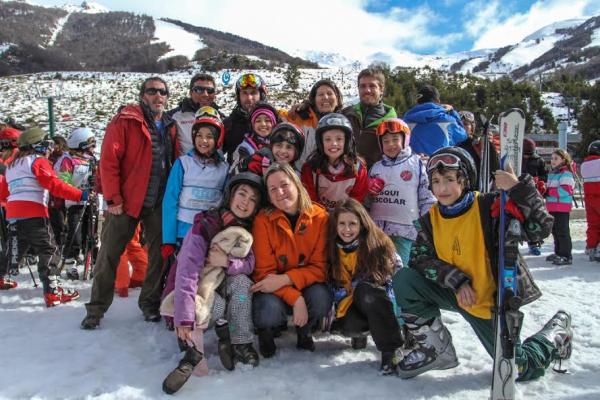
(459, 206)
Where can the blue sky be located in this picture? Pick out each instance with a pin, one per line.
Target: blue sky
(357, 28)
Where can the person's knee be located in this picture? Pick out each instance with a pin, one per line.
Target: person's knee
(268, 311)
(318, 300)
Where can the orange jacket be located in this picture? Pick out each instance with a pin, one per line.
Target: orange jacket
(299, 254)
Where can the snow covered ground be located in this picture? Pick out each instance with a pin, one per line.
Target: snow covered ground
(46, 356)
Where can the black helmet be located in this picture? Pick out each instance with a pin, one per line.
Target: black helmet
(454, 158)
(334, 121)
(249, 178)
(594, 148)
(288, 132)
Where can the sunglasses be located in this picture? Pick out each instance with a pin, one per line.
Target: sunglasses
(445, 159)
(207, 111)
(154, 91)
(202, 89)
(394, 125)
(249, 80)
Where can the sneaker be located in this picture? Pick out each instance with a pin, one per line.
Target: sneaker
(534, 251)
(134, 284)
(179, 376)
(266, 343)
(246, 354)
(359, 342)
(7, 283)
(562, 260)
(90, 322)
(122, 292)
(551, 257)
(224, 345)
(389, 363)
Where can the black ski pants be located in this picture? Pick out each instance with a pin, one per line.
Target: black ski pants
(75, 234)
(57, 222)
(562, 234)
(372, 310)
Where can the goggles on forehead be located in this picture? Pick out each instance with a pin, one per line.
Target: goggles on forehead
(207, 111)
(43, 146)
(249, 80)
(394, 125)
(446, 160)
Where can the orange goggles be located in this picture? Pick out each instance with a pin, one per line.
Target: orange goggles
(392, 125)
(249, 81)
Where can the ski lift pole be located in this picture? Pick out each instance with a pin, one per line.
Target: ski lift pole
(51, 115)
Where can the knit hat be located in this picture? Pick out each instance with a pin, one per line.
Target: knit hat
(263, 108)
(528, 146)
(428, 94)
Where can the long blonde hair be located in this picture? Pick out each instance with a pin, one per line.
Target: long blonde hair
(567, 160)
(304, 202)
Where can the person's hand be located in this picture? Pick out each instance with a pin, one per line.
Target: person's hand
(300, 315)
(271, 283)
(298, 108)
(184, 333)
(115, 209)
(447, 107)
(167, 250)
(376, 185)
(506, 180)
(465, 296)
(217, 257)
(424, 157)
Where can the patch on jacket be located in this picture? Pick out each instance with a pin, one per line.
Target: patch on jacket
(406, 175)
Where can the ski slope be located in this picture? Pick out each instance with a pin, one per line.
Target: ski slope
(46, 355)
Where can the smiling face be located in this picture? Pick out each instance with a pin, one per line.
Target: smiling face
(244, 201)
(204, 141)
(283, 193)
(262, 125)
(333, 144)
(283, 152)
(154, 99)
(348, 226)
(392, 144)
(199, 93)
(325, 99)
(370, 91)
(446, 187)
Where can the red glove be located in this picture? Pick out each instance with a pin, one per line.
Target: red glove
(510, 207)
(167, 250)
(540, 185)
(376, 185)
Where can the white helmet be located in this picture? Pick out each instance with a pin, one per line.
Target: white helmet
(81, 139)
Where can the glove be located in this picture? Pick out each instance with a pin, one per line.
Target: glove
(84, 195)
(510, 207)
(376, 185)
(167, 250)
(540, 185)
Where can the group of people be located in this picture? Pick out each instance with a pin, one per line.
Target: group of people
(349, 220)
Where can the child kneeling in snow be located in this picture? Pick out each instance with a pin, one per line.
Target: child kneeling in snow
(454, 266)
(211, 282)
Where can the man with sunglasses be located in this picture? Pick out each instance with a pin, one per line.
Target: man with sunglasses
(433, 125)
(202, 94)
(249, 90)
(137, 153)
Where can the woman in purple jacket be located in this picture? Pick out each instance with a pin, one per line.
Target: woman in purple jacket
(209, 282)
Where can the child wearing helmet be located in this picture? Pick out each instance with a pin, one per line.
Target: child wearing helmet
(334, 172)
(399, 186)
(209, 284)
(454, 264)
(29, 181)
(76, 167)
(196, 181)
(263, 119)
(590, 172)
(286, 144)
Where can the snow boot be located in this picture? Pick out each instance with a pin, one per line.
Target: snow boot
(266, 342)
(304, 340)
(7, 283)
(179, 376)
(558, 332)
(224, 345)
(551, 257)
(55, 294)
(359, 342)
(562, 260)
(71, 267)
(534, 250)
(90, 322)
(389, 363)
(246, 354)
(433, 347)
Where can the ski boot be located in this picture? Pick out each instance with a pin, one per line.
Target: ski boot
(55, 294)
(7, 283)
(389, 363)
(558, 332)
(266, 342)
(71, 266)
(433, 347)
(179, 376)
(225, 348)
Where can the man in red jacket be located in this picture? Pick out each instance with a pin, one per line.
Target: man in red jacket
(137, 153)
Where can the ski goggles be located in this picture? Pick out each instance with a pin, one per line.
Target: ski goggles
(393, 125)
(249, 81)
(207, 111)
(446, 160)
(202, 89)
(43, 146)
(7, 143)
(467, 116)
(91, 142)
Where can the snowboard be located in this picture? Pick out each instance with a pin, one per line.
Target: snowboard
(508, 318)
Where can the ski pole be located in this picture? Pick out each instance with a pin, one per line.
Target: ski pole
(68, 248)
(35, 285)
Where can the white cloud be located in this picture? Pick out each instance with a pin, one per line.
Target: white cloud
(500, 31)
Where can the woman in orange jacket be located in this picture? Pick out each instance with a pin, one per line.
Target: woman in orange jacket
(289, 246)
